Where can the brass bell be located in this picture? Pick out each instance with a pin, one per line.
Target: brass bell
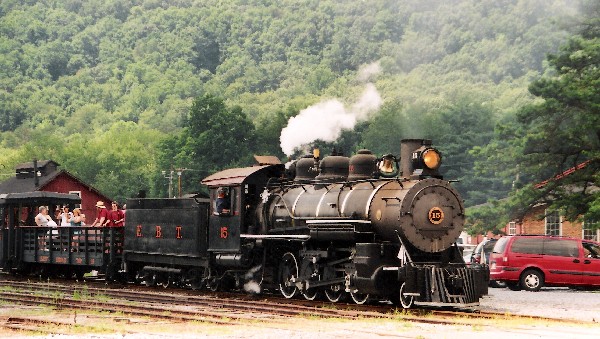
(386, 166)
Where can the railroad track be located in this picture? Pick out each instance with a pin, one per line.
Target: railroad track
(175, 305)
(163, 299)
(232, 303)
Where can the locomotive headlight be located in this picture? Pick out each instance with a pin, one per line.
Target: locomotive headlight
(316, 153)
(431, 158)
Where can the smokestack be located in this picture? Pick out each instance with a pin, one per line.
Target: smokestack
(407, 146)
(36, 180)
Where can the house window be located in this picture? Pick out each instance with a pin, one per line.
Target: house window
(591, 230)
(77, 193)
(553, 223)
(512, 228)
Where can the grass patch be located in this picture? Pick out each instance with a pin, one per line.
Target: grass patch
(6, 289)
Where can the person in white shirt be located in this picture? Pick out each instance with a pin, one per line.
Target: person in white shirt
(42, 218)
(65, 216)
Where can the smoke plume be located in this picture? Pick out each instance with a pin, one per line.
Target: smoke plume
(326, 120)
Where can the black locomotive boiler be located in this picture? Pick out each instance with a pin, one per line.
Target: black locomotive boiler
(363, 227)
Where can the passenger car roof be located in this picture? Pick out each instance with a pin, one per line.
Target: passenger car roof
(38, 195)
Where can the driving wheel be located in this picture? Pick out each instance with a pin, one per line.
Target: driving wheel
(335, 293)
(359, 298)
(288, 273)
(406, 301)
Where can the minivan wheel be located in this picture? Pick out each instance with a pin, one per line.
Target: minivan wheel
(532, 280)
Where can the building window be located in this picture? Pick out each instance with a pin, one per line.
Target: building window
(591, 230)
(77, 193)
(512, 228)
(553, 223)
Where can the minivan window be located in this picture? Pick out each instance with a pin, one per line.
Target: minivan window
(478, 248)
(561, 248)
(591, 250)
(488, 246)
(500, 245)
(528, 245)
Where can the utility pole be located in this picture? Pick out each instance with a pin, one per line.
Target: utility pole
(179, 173)
(170, 177)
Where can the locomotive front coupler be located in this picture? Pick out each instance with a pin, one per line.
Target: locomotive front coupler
(456, 281)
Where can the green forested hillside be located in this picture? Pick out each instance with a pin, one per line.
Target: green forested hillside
(106, 87)
(550, 149)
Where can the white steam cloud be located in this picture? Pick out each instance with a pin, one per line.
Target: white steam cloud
(326, 120)
(366, 72)
(252, 286)
(369, 102)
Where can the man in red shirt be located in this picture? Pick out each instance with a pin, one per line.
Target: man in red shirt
(102, 214)
(115, 216)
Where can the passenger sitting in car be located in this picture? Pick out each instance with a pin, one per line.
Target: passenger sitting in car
(42, 218)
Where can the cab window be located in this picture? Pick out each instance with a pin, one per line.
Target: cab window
(233, 201)
(224, 201)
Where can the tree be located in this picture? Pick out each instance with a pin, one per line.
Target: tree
(82, 66)
(118, 162)
(565, 129)
(461, 126)
(214, 138)
(556, 142)
(385, 130)
(268, 130)
(220, 135)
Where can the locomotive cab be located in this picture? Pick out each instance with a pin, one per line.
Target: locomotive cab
(241, 187)
(225, 221)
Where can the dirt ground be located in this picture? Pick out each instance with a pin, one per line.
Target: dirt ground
(310, 329)
(557, 303)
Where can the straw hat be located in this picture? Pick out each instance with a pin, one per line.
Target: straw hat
(100, 204)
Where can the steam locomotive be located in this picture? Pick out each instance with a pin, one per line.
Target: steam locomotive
(363, 228)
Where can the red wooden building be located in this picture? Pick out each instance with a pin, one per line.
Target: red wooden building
(540, 220)
(44, 175)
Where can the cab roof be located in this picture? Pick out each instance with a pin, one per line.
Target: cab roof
(238, 176)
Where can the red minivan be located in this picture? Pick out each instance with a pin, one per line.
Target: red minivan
(531, 261)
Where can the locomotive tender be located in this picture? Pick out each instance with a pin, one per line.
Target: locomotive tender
(367, 227)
